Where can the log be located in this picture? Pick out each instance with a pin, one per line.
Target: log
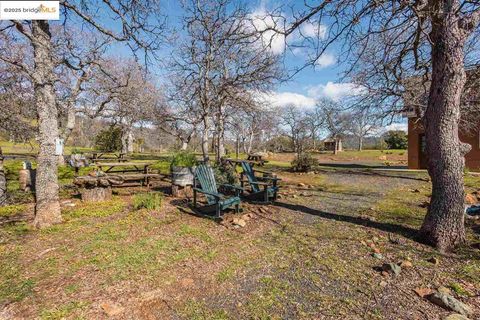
(96, 194)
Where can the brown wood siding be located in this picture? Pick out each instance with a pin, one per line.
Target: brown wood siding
(472, 159)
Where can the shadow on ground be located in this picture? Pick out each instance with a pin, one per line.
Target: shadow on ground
(387, 227)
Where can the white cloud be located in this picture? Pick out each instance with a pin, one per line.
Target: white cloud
(313, 30)
(397, 126)
(334, 91)
(325, 60)
(274, 41)
(281, 99)
(299, 52)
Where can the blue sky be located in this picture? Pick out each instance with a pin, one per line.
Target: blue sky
(306, 86)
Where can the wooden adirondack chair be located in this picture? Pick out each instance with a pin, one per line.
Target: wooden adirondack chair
(262, 188)
(216, 202)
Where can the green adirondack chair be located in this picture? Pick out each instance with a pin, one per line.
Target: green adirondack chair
(216, 202)
(262, 188)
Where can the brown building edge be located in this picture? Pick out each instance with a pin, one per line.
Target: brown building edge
(417, 160)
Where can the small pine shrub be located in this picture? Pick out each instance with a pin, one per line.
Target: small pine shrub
(225, 174)
(183, 159)
(304, 162)
(150, 201)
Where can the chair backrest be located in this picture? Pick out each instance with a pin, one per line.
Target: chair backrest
(248, 171)
(206, 178)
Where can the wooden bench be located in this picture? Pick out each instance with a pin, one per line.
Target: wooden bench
(256, 159)
(104, 156)
(133, 172)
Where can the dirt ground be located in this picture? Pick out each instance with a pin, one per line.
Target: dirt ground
(308, 256)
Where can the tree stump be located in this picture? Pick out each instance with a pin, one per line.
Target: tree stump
(96, 194)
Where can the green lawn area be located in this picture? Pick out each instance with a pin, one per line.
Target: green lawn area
(305, 258)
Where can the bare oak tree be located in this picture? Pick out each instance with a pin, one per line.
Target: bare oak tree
(409, 38)
(135, 26)
(222, 64)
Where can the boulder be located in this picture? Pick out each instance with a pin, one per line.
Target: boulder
(406, 264)
(392, 268)
(377, 255)
(456, 316)
(239, 222)
(448, 302)
(470, 199)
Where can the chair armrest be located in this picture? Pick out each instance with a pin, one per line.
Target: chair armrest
(262, 171)
(269, 178)
(213, 194)
(260, 183)
(231, 186)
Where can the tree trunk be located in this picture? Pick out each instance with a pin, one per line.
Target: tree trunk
(3, 182)
(96, 194)
(443, 226)
(237, 147)
(69, 124)
(360, 143)
(335, 146)
(47, 208)
(127, 139)
(250, 143)
(220, 140)
(205, 142)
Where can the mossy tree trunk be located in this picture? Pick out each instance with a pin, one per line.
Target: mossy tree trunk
(47, 207)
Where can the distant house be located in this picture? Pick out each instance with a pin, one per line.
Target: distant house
(334, 145)
(469, 130)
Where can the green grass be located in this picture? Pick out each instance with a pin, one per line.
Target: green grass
(12, 210)
(62, 311)
(150, 201)
(13, 286)
(194, 310)
(186, 230)
(458, 289)
(472, 181)
(99, 209)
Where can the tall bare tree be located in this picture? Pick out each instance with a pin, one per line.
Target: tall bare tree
(363, 122)
(295, 122)
(337, 121)
(409, 38)
(136, 26)
(222, 63)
